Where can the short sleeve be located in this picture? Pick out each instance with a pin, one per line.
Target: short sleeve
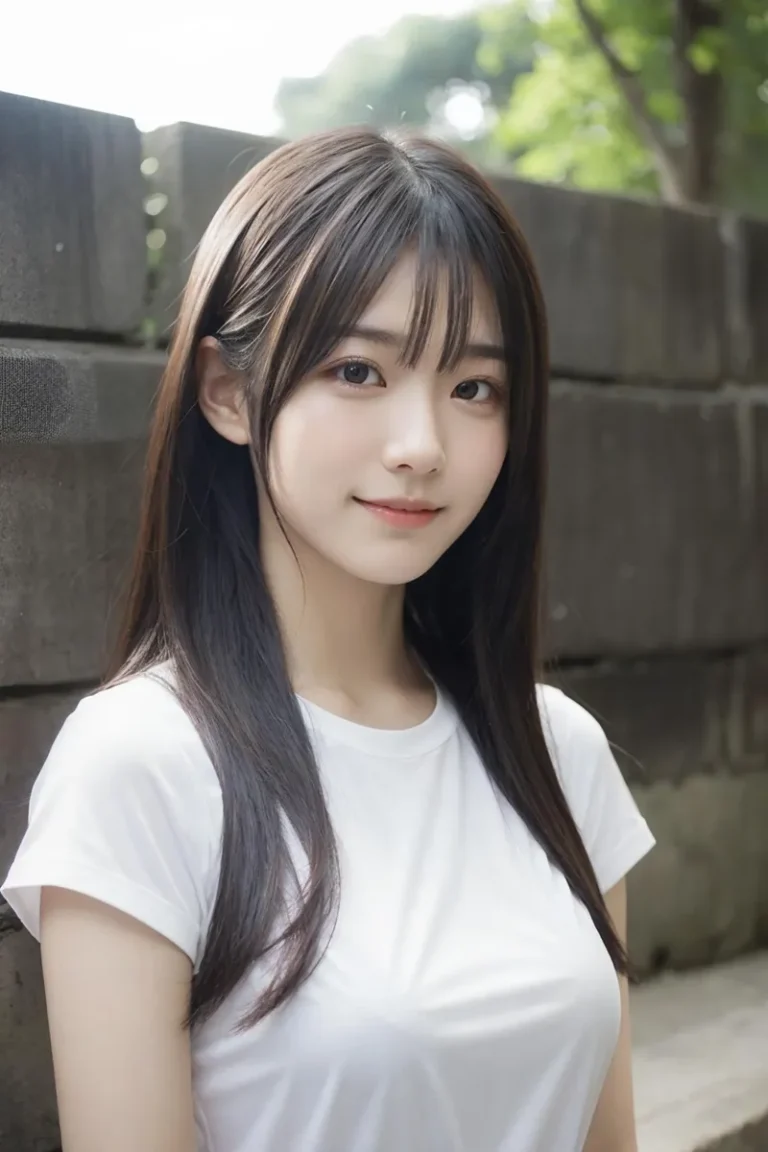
(126, 810)
(612, 828)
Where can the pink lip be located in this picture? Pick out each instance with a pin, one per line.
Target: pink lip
(402, 513)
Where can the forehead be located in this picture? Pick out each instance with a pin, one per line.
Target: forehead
(393, 306)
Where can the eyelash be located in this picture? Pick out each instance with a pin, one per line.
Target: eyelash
(357, 360)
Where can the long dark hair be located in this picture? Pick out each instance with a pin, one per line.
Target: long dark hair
(294, 255)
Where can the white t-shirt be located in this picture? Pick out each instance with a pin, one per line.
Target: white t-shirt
(466, 1002)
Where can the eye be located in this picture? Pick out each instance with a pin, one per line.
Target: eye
(477, 390)
(358, 374)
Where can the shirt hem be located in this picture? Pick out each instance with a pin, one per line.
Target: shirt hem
(625, 856)
(24, 883)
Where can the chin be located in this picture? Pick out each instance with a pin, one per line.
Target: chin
(392, 572)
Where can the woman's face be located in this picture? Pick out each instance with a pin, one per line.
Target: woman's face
(364, 431)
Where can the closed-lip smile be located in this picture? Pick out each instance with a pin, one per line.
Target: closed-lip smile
(401, 512)
(402, 504)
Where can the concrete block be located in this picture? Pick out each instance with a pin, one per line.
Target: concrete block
(634, 289)
(699, 1057)
(71, 456)
(755, 247)
(72, 235)
(745, 243)
(691, 740)
(55, 393)
(755, 690)
(28, 1119)
(671, 718)
(654, 523)
(701, 896)
(28, 727)
(654, 537)
(197, 167)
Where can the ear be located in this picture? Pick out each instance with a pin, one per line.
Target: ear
(221, 393)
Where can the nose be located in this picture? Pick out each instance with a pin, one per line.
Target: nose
(414, 442)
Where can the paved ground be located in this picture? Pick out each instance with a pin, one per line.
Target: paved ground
(701, 1059)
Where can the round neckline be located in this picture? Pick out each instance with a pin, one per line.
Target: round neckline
(401, 743)
(388, 742)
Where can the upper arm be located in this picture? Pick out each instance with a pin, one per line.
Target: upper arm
(613, 1124)
(117, 994)
(116, 875)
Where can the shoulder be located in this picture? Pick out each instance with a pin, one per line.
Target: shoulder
(580, 753)
(572, 733)
(134, 729)
(141, 709)
(612, 828)
(127, 809)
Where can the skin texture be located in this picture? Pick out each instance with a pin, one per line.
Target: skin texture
(411, 432)
(361, 426)
(116, 994)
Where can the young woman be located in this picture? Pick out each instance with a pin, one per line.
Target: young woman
(320, 868)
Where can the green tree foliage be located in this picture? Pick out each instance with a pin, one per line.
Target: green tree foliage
(398, 77)
(667, 96)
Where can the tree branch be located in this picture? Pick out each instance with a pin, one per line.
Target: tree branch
(702, 97)
(629, 84)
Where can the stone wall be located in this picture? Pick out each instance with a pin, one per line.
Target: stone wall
(75, 397)
(658, 551)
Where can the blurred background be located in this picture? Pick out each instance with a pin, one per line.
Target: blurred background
(630, 139)
(667, 98)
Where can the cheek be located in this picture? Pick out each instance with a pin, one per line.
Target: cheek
(313, 444)
(479, 459)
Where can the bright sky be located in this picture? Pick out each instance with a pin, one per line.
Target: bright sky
(160, 61)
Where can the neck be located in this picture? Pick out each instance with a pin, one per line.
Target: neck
(342, 635)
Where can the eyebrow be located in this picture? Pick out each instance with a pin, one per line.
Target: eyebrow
(480, 349)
